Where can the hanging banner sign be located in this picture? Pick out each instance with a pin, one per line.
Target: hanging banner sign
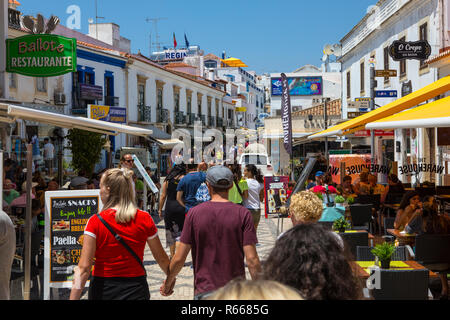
(286, 117)
(275, 195)
(41, 55)
(66, 216)
(401, 50)
(386, 94)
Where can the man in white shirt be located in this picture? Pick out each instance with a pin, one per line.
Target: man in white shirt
(49, 151)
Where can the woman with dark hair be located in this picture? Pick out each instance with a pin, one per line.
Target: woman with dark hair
(239, 191)
(255, 183)
(310, 258)
(174, 213)
(429, 221)
(409, 206)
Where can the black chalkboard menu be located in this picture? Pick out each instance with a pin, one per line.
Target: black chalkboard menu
(67, 213)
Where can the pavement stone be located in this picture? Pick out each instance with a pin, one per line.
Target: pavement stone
(184, 287)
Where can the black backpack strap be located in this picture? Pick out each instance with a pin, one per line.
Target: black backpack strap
(121, 241)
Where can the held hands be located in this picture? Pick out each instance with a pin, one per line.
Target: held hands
(167, 288)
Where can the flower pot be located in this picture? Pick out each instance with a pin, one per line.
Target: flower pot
(341, 230)
(385, 264)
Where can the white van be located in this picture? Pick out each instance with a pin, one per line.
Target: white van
(260, 160)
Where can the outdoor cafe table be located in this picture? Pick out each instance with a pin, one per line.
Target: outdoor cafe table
(362, 267)
(370, 236)
(403, 237)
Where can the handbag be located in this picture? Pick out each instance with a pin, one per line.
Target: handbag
(122, 242)
(240, 193)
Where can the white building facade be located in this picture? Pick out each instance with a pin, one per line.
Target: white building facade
(389, 20)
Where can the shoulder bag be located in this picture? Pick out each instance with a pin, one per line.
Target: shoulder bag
(122, 242)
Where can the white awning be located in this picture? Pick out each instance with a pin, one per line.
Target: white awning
(70, 122)
(168, 143)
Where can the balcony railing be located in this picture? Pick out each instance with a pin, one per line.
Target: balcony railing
(180, 118)
(190, 119)
(112, 101)
(162, 116)
(220, 122)
(13, 18)
(144, 114)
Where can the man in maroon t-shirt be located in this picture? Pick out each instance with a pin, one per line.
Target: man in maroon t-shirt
(220, 234)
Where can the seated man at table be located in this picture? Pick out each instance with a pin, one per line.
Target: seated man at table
(429, 221)
(346, 189)
(375, 188)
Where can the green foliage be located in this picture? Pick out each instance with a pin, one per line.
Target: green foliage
(86, 149)
(340, 224)
(383, 251)
(319, 195)
(350, 200)
(339, 199)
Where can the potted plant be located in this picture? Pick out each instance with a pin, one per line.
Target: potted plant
(319, 195)
(339, 200)
(384, 252)
(350, 200)
(340, 224)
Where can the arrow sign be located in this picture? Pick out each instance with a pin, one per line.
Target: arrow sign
(386, 94)
(385, 73)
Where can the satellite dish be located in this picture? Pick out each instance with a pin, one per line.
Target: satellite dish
(337, 50)
(328, 49)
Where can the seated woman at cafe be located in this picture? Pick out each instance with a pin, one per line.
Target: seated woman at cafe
(409, 206)
(394, 186)
(325, 185)
(429, 221)
(363, 182)
(375, 188)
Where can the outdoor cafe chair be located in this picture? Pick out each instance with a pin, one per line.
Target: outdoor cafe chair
(443, 190)
(354, 239)
(402, 285)
(361, 215)
(373, 199)
(363, 253)
(432, 249)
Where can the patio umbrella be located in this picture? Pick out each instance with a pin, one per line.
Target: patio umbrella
(234, 62)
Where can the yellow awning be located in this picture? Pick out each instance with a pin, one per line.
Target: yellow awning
(428, 92)
(430, 115)
(234, 62)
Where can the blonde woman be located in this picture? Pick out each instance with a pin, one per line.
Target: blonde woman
(118, 273)
(241, 289)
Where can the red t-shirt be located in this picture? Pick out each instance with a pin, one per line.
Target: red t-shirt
(111, 257)
(322, 189)
(217, 233)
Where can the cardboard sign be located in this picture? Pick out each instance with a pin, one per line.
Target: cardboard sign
(66, 216)
(275, 194)
(144, 174)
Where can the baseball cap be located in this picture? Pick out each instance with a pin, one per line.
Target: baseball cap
(33, 184)
(319, 173)
(78, 181)
(219, 177)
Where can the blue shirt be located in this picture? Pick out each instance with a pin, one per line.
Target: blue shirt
(189, 184)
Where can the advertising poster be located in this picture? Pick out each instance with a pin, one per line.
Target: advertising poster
(354, 163)
(298, 86)
(275, 195)
(108, 114)
(67, 213)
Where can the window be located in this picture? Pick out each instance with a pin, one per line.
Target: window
(189, 105)
(176, 101)
(348, 85)
(141, 94)
(13, 81)
(211, 64)
(362, 68)
(159, 100)
(386, 62)
(41, 85)
(403, 62)
(423, 35)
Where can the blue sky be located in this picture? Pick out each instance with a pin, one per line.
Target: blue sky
(269, 36)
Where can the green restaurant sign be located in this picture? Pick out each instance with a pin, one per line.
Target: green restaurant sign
(41, 55)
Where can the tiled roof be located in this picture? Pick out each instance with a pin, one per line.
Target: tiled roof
(442, 54)
(178, 65)
(211, 56)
